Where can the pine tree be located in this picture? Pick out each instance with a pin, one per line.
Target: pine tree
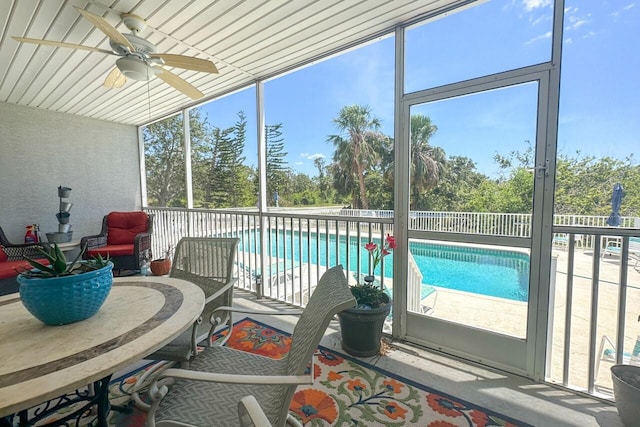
(278, 172)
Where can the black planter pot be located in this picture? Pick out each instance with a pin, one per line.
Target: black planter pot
(626, 390)
(361, 330)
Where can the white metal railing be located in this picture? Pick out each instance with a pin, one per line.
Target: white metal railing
(597, 295)
(297, 247)
(283, 253)
(499, 224)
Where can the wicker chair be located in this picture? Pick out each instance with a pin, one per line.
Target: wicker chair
(12, 260)
(208, 263)
(208, 393)
(125, 237)
(18, 251)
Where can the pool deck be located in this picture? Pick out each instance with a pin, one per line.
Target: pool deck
(509, 317)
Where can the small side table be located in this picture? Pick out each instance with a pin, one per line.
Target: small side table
(70, 249)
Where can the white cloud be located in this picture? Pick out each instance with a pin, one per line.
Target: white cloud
(568, 40)
(299, 163)
(312, 156)
(624, 9)
(530, 5)
(546, 35)
(540, 19)
(577, 22)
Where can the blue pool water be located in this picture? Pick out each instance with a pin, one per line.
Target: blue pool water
(492, 272)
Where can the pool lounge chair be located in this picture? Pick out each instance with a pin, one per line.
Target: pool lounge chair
(561, 240)
(613, 246)
(607, 352)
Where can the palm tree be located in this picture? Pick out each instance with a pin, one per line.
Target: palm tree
(354, 150)
(426, 161)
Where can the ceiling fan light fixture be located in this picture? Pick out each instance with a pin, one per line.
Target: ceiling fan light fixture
(134, 68)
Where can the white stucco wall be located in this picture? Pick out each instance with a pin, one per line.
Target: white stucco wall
(40, 150)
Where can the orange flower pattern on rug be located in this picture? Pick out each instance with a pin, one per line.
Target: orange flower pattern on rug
(346, 392)
(255, 338)
(312, 404)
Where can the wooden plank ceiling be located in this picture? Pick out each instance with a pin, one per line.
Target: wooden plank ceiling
(247, 40)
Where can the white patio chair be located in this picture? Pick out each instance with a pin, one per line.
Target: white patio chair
(209, 263)
(208, 392)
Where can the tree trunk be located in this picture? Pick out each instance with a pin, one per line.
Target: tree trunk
(363, 191)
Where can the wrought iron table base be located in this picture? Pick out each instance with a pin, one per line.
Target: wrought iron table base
(99, 398)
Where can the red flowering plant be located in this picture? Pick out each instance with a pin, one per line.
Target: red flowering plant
(368, 295)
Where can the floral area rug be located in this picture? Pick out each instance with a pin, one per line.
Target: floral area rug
(346, 392)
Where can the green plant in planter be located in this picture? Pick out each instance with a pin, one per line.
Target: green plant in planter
(367, 294)
(60, 267)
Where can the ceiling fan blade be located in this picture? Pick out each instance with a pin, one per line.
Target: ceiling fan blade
(179, 84)
(106, 28)
(187, 62)
(115, 79)
(61, 44)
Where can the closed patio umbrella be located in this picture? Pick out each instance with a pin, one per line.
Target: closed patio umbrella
(616, 200)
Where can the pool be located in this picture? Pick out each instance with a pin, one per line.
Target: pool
(491, 272)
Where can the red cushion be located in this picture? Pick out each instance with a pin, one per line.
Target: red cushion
(111, 250)
(122, 227)
(13, 268)
(3, 255)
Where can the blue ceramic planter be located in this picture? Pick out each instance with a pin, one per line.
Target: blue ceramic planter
(68, 299)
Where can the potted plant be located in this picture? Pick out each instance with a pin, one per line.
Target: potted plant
(65, 292)
(626, 387)
(162, 266)
(361, 326)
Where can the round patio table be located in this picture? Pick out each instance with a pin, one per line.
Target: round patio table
(40, 362)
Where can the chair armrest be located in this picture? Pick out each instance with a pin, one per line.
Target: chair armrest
(251, 414)
(223, 290)
(92, 242)
(214, 323)
(236, 378)
(142, 247)
(142, 240)
(291, 312)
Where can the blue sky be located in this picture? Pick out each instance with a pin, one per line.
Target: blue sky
(599, 107)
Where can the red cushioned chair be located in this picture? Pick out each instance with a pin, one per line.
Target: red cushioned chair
(125, 237)
(12, 261)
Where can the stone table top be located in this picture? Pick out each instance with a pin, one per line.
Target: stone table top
(40, 362)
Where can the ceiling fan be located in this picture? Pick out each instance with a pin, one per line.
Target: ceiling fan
(138, 57)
